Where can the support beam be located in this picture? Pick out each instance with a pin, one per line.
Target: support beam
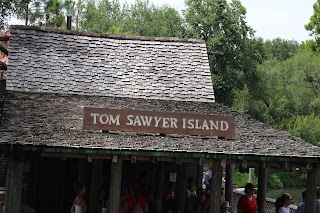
(216, 187)
(95, 189)
(251, 175)
(115, 185)
(14, 178)
(262, 190)
(311, 204)
(229, 184)
(181, 187)
(160, 180)
(200, 176)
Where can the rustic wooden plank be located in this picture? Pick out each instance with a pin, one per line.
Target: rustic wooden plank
(181, 187)
(143, 158)
(311, 205)
(51, 155)
(262, 191)
(165, 159)
(4, 38)
(229, 183)
(216, 187)
(13, 199)
(95, 189)
(76, 156)
(115, 186)
(3, 66)
(102, 157)
(4, 50)
(158, 122)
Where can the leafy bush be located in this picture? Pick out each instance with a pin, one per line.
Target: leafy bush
(291, 179)
(241, 179)
(274, 181)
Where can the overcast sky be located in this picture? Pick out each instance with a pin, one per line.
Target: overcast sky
(269, 18)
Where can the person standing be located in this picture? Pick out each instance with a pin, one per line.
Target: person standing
(225, 207)
(247, 203)
(135, 201)
(283, 202)
(302, 205)
(79, 204)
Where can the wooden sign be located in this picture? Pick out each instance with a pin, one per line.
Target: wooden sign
(158, 122)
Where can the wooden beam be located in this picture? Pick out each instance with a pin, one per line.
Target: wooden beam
(95, 189)
(311, 204)
(216, 186)
(199, 175)
(4, 38)
(181, 187)
(4, 50)
(51, 155)
(115, 186)
(13, 198)
(229, 183)
(160, 179)
(262, 190)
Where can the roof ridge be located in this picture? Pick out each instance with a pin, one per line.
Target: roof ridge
(112, 36)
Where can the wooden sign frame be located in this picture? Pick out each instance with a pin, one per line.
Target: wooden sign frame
(158, 122)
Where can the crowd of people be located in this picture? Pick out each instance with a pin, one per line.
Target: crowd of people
(141, 198)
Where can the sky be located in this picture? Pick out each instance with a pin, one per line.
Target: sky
(269, 18)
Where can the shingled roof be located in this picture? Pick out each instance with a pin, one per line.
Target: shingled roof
(55, 120)
(54, 74)
(44, 60)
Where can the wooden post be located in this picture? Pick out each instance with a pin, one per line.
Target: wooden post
(160, 178)
(95, 189)
(115, 185)
(200, 176)
(181, 187)
(13, 199)
(229, 184)
(311, 204)
(262, 190)
(251, 175)
(216, 187)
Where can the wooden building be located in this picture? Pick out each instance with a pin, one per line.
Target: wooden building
(54, 76)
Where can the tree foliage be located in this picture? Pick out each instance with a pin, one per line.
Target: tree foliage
(281, 49)
(290, 98)
(9, 8)
(314, 27)
(223, 26)
(139, 18)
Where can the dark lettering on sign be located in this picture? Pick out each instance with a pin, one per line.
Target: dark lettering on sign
(158, 122)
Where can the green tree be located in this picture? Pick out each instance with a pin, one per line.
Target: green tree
(291, 91)
(30, 11)
(7, 9)
(281, 49)
(50, 13)
(146, 19)
(223, 26)
(314, 27)
(101, 16)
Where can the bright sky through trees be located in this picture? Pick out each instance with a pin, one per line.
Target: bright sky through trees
(269, 18)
